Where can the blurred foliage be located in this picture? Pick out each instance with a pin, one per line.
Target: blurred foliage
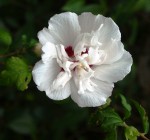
(16, 72)
(26, 113)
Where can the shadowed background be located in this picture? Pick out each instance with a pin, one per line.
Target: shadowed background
(31, 114)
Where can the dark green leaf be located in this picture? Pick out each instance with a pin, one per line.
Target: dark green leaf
(5, 40)
(107, 119)
(131, 133)
(142, 5)
(23, 124)
(143, 115)
(110, 119)
(74, 6)
(126, 106)
(112, 134)
(5, 37)
(16, 73)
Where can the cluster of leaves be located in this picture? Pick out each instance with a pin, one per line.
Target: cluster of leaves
(109, 121)
(16, 72)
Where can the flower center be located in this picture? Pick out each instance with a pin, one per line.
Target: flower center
(77, 66)
(79, 60)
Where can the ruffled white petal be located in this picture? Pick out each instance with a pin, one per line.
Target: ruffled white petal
(87, 21)
(96, 56)
(60, 93)
(49, 52)
(92, 99)
(104, 27)
(45, 73)
(61, 80)
(90, 22)
(65, 28)
(115, 71)
(82, 80)
(84, 41)
(108, 30)
(81, 42)
(114, 51)
(45, 36)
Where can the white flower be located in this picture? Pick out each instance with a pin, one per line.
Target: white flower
(82, 57)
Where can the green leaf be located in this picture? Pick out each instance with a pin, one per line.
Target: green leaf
(143, 115)
(79, 6)
(107, 119)
(16, 73)
(141, 5)
(74, 6)
(131, 133)
(5, 40)
(5, 37)
(126, 106)
(23, 124)
(110, 119)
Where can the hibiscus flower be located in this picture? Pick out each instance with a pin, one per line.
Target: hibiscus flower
(82, 57)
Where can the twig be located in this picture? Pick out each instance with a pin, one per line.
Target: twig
(143, 136)
(12, 53)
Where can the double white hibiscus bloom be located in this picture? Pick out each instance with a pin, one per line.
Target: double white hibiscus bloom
(82, 57)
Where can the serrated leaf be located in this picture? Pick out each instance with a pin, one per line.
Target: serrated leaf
(23, 124)
(126, 106)
(143, 115)
(110, 119)
(16, 73)
(131, 133)
(107, 119)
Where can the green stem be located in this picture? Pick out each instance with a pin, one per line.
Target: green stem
(140, 134)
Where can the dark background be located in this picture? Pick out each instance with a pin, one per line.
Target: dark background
(33, 116)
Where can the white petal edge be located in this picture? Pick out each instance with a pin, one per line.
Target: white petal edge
(104, 27)
(45, 73)
(108, 29)
(61, 80)
(60, 93)
(65, 27)
(49, 52)
(86, 21)
(95, 98)
(116, 71)
(114, 51)
(45, 36)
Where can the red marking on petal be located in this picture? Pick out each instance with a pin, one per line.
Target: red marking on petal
(85, 51)
(62, 69)
(69, 51)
